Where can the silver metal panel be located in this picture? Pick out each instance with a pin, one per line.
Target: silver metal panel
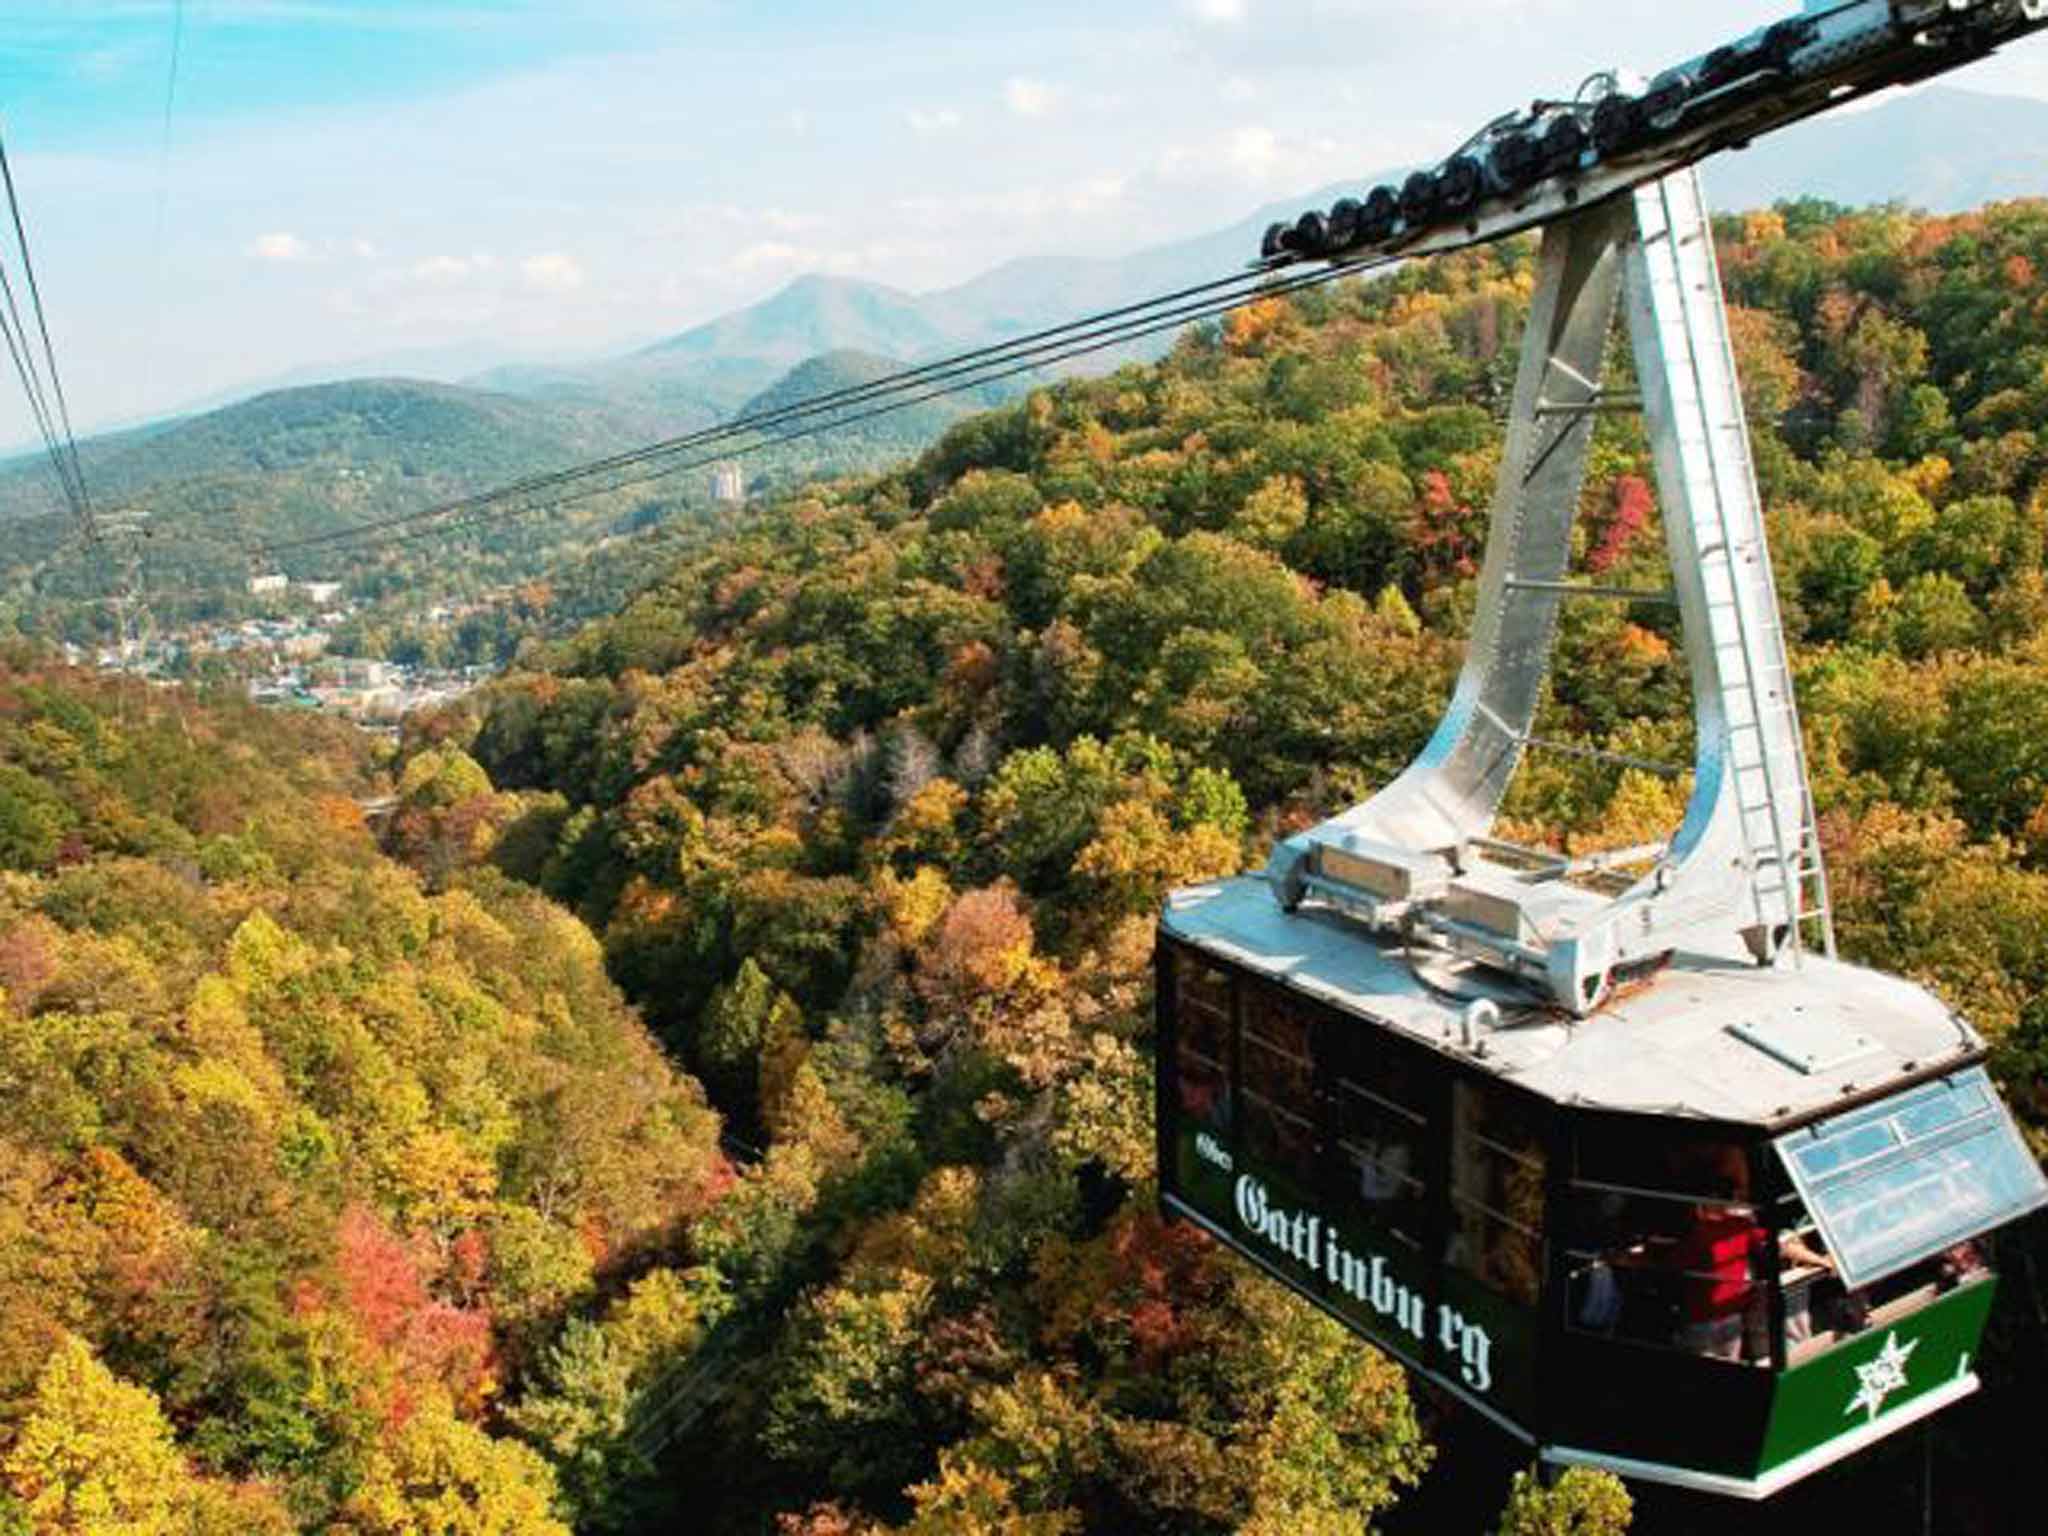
(1454, 788)
(1664, 1047)
(1804, 1042)
(1747, 840)
(1391, 873)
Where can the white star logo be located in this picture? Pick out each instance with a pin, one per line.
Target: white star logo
(1881, 1376)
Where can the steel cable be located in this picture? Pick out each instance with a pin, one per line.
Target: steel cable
(1132, 331)
(975, 367)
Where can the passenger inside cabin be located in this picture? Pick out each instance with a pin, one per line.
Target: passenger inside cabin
(1723, 1309)
(1804, 1270)
(1384, 1170)
(1720, 1304)
(1387, 1185)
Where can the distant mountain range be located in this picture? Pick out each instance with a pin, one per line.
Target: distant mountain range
(1935, 149)
(377, 443)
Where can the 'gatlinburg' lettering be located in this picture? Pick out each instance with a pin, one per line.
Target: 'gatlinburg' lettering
(1365, 1277)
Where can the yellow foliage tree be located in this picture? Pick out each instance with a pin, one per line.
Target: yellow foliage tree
(914, 906)
(1255, 323)
(94, 1456)
(1273, 513)
(438, 1476)
(1582, 1502)
(807, 1114)
(967, 1499)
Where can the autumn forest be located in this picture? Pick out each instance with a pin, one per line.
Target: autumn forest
(710, 1088)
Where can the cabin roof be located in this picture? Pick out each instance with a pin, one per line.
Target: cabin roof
(1711, 1036)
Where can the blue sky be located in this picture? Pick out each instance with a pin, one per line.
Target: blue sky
(368, 180)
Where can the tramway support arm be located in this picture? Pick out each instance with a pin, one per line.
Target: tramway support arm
(1451, 793)
(1744, 868)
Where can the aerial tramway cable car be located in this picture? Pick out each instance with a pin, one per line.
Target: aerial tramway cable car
(1615, 1150)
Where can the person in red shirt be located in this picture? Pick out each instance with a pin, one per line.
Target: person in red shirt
(1718, 1262)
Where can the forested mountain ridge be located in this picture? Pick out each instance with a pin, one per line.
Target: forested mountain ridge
(444, 437)
(874, 802)
(311, 460)
(1937, 149)
(220, 487)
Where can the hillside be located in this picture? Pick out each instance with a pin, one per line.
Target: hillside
(394, 437)
(315, 1167)
(874, 803)
(292, 463)
(861, 442)
(220, 486)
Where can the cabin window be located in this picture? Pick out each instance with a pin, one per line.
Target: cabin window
(1202, 1042)
(1904, 1180)
(1381, 1137)
(1664, 1243)
(1497, 1192)
(1278, 1104)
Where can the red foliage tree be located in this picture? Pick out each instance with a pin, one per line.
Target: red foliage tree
(1615, 531)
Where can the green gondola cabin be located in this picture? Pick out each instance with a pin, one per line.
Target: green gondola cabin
(1723, 1233)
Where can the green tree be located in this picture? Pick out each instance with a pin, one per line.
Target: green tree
(1581, 1502)
(1934, 614)
(843, 1405)
(33, 820)
(730, 1035)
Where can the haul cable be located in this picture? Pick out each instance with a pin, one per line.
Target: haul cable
(950, 376)
(479, 518)
(1124, 322)
(76, 482)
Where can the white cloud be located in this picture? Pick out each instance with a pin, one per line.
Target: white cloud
(930, 124)
(772, 257)
(443, 269)
(1217, 11)
(1254, 151)
(365, 249)
(1238, 89)
(1029, 98)
(1095, 192)
(282, 245)
(552, 272)
(781, 220)
(769, 256)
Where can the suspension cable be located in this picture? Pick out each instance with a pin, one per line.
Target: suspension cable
(63, 413)
(481, 515)
(1035, 344)
(897, 391)
(19, 349)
